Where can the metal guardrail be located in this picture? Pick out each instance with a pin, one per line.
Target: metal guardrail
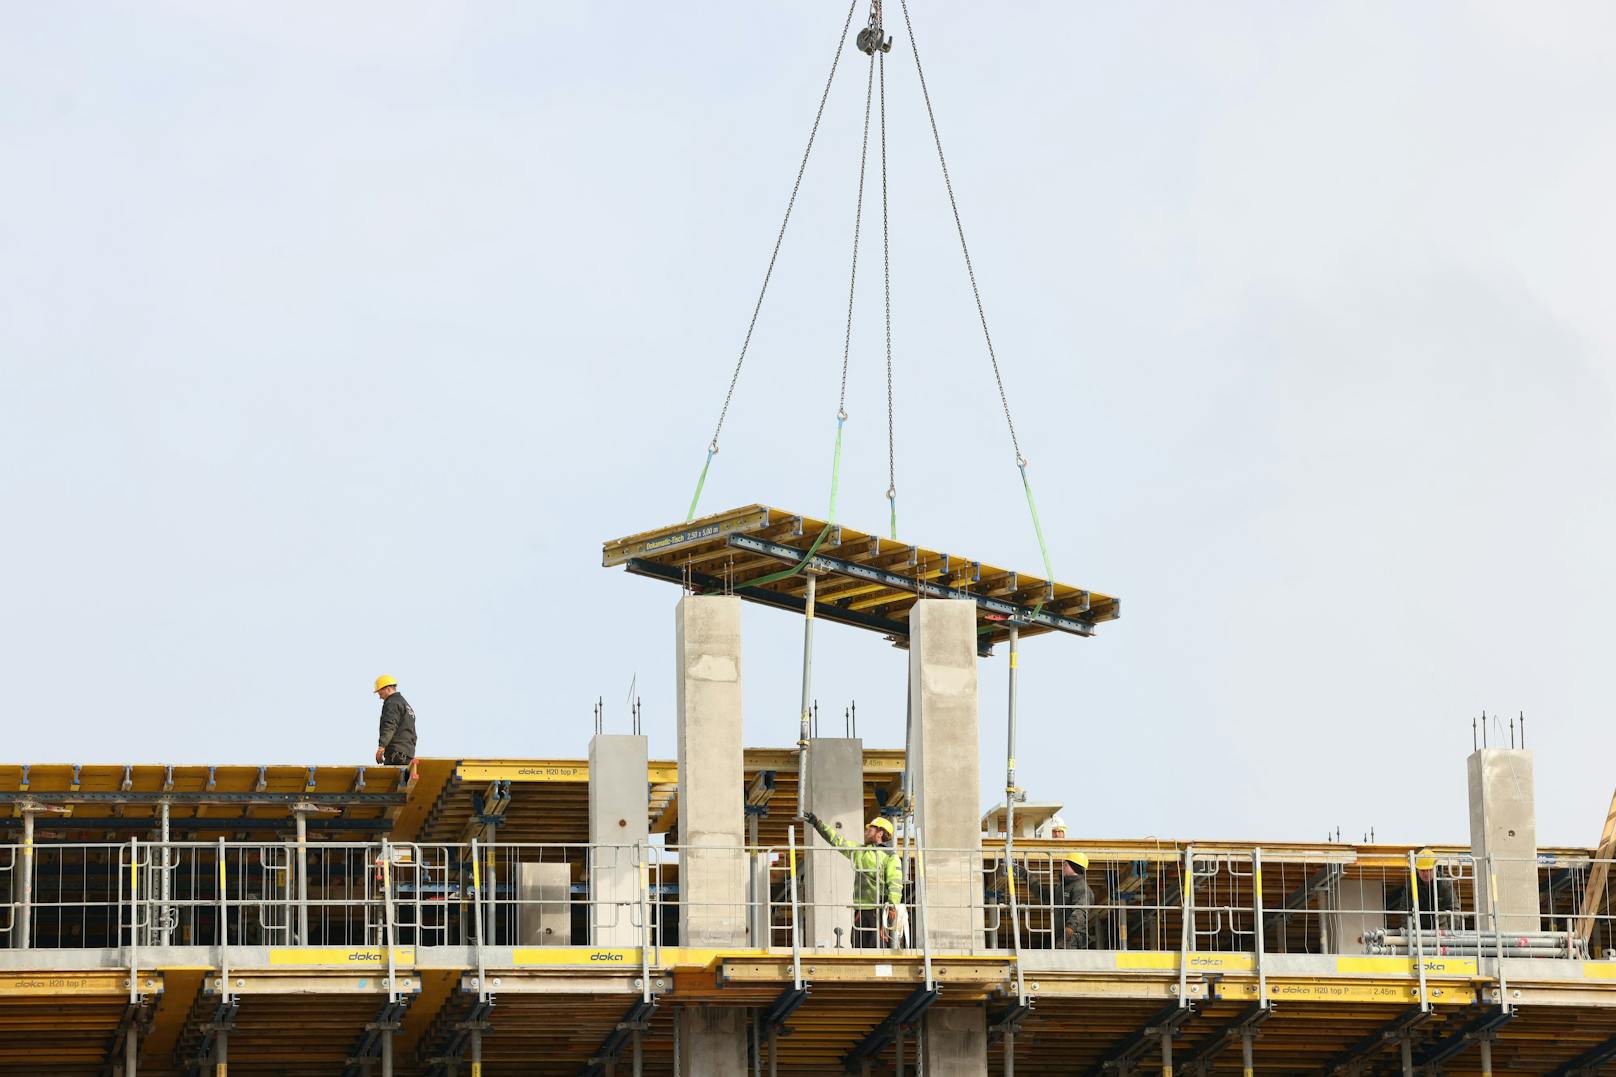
(162, 894)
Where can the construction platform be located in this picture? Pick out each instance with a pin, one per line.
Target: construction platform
(768, 555)
(456, 914)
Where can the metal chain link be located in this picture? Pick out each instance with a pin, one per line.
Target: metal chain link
(886, 270)
(791, 204)
(970, 270)
(858, 224)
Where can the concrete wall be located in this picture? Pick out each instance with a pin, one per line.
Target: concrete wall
(834, 792)
(946, 741)
(713, 878)
(544, 910)
(619, 804)
(1503, 825)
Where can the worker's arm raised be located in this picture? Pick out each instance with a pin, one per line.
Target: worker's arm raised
(829, 834)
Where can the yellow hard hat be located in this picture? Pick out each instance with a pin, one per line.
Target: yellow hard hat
(881, 822)
(1425, 860)
(1077, 860)
(384, 681)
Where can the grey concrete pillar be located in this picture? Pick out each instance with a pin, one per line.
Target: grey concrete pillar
(711, 803)
(1360, 907)
(955, 1040)
(835, 793)
(1503, 826)
(619, 804)
(713, 877)
(711, 1041)
(946, 739)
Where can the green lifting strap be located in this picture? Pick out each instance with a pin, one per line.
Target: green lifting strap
(836, 469)
(892, 502)
(1043, 548)
(700, 482)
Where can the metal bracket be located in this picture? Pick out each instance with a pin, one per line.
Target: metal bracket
(905, 1015)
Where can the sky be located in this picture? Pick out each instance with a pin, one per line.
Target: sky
(335, 339)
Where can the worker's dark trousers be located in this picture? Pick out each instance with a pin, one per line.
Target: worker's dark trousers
(394, 759)
(866, 929)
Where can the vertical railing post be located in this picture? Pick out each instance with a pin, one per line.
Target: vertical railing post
(1498, 938)
(1010, 792)
(1419, 938)
(477, 923)
(134, 918)
(1186, 935)
(387, 920)
(796, 924)
(642, 853)
(1257, 904)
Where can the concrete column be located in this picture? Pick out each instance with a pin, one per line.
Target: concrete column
(711, 803)
(1503, 825)
(946, 740)
(955, 1038)
(945, 737)
(713, 878)
(618, 809)
(712, 1041)
(835, 793)
(1360, 908)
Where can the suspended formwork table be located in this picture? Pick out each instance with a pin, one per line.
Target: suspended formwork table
(778, 558)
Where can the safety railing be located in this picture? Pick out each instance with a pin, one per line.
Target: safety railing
(1171, 898)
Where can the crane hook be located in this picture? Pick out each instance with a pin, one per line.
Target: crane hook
(873, 36)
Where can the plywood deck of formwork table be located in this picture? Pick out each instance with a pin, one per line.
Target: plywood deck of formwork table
(862, 579)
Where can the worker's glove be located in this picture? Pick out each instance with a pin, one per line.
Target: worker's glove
(812, 819)
(1068, 937)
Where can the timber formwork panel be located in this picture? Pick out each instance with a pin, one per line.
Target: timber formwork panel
(868, 581)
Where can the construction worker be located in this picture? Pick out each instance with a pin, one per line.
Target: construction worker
(877, 879)
(395, 742)
(1438, 905)
(1076, 899)
(1057, 828)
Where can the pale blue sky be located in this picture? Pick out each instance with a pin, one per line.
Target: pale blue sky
(335, 339)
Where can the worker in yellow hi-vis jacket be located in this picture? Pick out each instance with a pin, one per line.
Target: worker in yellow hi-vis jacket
(877, 879)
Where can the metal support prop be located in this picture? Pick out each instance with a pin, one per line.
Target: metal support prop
(387, 1052)
(164, 886)
(221, 1053)
(1486, 1056)
(1407, 1048)
(1010, 792)
(1009, 1053)
(803, 729)
(302, 823)
(774, 1052)
(476, 1052)
(1419, 945)
(131, 1050)
(25, 914)
(1246, 1066)
(1167, 1053)
(639, 1054)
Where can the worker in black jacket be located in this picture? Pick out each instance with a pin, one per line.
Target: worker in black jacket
(395, 742)
(1438, 904)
